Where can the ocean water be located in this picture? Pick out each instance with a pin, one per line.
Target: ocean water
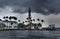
(30, 34)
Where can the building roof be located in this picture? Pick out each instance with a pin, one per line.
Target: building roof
(10, 21)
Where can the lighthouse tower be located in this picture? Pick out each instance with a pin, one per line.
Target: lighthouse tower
(29, 16)
(29, 13)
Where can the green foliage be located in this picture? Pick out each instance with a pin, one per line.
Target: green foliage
(34, 24)
(21, 25)
(39, 24)
(2, 25)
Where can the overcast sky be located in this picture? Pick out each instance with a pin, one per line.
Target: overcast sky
(49, 10)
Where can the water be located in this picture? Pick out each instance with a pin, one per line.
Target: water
(29, 34)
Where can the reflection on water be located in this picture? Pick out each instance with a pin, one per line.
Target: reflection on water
(29, 34)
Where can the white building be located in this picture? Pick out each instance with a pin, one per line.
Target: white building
(10, 24)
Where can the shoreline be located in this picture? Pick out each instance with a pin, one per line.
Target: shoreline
(30, 29)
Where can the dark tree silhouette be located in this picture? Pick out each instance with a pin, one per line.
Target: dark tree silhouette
(38, 19)
(27, 18)
(39, 24)
(23, 22)
(26, 21)
(18, 20)
(7, 22)
(4, 17)
(2, 25)
(33, 19)
(42, 20)
(10, 17)
(13, 17)
(21, 25)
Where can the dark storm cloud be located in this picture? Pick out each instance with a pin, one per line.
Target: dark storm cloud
(40, 6)
(18, 5)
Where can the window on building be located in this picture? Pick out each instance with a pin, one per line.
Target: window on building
(11, 23)
(10, 26)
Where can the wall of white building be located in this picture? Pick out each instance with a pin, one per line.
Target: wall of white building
(9, 25)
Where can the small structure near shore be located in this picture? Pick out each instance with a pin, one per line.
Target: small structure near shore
(51, 27)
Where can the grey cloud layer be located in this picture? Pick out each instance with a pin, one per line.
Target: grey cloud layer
(40, 6)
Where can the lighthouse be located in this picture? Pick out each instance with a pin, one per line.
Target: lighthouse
(29, 13)
(29, 17)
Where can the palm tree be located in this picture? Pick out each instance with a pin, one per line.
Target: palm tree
(26, 21)
(27, 18)
(23, 22)
(4, 17)
(7, 17)
(38, 19)
(42, 20)
(13, 17)
(18, 20)
(39, 25)
(10, 18)
(33, 19)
